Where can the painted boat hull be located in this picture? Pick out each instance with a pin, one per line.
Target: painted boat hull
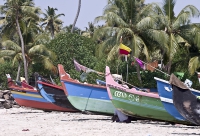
(137, 103)
(54, 95)
(165, 93)
(140, 106)
(34, 100)
(86, 97)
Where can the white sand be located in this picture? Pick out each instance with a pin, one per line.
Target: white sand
(28, 122)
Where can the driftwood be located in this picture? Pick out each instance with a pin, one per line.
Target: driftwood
(6, 100)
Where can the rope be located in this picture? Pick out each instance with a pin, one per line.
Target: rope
(154, 67)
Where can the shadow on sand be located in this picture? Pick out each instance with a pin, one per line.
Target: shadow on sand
(85, 119)
(188, 134)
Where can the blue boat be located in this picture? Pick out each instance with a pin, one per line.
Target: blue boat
(86, 97)
(166, 96)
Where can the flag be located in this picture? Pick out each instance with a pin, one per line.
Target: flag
(140, 63)
(79, 67)
(123, 49)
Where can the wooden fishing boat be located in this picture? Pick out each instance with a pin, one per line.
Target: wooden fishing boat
(137, 103)
(185, 101)
(86, 97)
(165, 93)
(29, 97)
(52, 92)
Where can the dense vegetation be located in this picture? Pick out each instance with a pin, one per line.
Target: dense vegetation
(31, 43)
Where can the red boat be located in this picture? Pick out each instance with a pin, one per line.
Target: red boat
(28, 96)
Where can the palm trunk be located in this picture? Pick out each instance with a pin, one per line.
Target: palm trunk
(22, 46)
(18, 71)
(52, 31)
(77, 14)
(169, 67)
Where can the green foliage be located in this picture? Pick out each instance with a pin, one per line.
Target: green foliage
(70, 46)
(180, 60)
(7, 68)
(193, 78)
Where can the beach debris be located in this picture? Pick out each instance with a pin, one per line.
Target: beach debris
(25, 129)
(6, 100)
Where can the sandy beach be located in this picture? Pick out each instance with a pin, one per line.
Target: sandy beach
(31, 122)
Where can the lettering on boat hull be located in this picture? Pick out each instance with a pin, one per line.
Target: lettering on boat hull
(168, 89)
(119, 94)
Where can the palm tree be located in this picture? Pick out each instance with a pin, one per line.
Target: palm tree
(89, 30)
(135, 22)
(15, 10)
(35, 53)
(194, 39)
(53, 24)
(77, 14)
(178, 28)
(69, 28)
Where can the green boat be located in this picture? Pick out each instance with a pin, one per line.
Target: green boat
(137, 103)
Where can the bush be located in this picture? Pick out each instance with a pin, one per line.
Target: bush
(7, 68)
(70, 46)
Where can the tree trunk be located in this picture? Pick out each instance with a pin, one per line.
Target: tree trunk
(77, 14)
(169, 67)
(22, 46)
(18, 71)
(52, 31)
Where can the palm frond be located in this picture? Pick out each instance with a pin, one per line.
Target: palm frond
(194, 64)
(8, 44)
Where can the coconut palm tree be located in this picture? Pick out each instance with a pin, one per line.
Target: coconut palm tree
(35, 52)
(194, 39)
(68, 29)
(53, 24)
(77, 14)
(178, 28)
(135, 22)
(15, 10)
(89, 30)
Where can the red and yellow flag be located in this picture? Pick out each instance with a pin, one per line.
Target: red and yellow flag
(123, 49)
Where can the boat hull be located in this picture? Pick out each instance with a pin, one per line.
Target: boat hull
(55, 95)
(165, 93)
(89, 98)
(137, 103)
(140, 106)
(92, 105)
(34, 100)
(185, 101)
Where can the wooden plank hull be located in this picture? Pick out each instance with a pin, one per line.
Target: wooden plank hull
(35, 100)
(137, 103)
(86, 97)
(185, 101)
(92, 105)
(140, 106)
(55, 95)
(165, 93)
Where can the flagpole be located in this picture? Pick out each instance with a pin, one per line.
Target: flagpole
(126, 67)
(126, 62)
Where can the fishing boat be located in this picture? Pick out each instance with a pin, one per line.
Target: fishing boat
(165, 93)
(52, 92)
(187, 103)
(86, 97)
(137, 103)
(29, 97)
